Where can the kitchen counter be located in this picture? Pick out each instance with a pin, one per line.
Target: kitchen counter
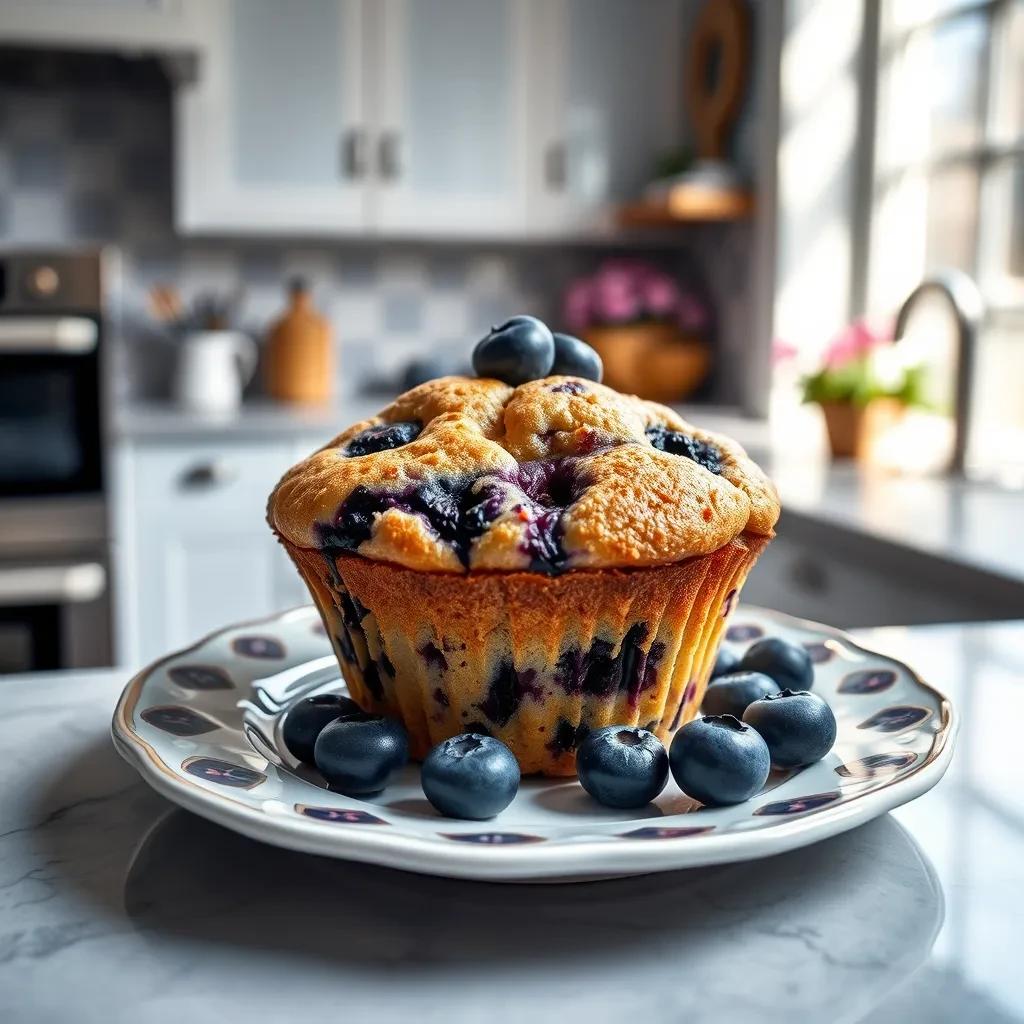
(261, 418)
(256, 420)
(962, 524)
(116, 906)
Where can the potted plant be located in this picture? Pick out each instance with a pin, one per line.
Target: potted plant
(863, 388)
(650, 333)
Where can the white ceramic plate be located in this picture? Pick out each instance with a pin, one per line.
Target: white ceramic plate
(203, 728)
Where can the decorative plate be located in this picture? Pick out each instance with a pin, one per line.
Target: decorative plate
(203, 728)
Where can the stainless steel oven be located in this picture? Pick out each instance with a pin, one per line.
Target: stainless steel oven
(54, 540)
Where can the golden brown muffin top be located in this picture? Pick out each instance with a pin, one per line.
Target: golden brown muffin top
(561, 473)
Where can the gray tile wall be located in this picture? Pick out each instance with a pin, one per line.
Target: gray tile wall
(82, 167)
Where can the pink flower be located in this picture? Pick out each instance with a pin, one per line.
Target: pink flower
(783, 351)
(623, 290)
(855, 340)
(616, 305)
(660, 295)
(578, 307)
(693, 314)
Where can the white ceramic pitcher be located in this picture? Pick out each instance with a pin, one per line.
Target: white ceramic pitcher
(213, 368)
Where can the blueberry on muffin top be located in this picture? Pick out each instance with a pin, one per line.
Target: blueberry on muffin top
(554, 474)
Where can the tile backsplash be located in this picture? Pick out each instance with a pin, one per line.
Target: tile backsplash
(90, 166)
(386, 304)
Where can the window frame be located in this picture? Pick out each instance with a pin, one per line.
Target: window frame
(880, 46)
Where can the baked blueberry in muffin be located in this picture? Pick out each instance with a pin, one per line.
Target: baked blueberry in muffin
(531, 561)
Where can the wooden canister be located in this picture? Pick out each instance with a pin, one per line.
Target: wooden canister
(299, 358)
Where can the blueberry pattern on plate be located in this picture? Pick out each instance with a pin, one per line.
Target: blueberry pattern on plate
(896, 719)
(258, 647)
(178, 721)
(666, 832)
(224, 773)
(200, 677)
(742, 632)
(868, 680)
(800, 804)
(877, 764)
(819, 652)
(193, 716)
(340, 815)
(493, 838)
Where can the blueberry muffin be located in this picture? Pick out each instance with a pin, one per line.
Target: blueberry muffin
(529, 562)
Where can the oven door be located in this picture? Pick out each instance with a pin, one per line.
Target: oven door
(53, 615)
(50, 429)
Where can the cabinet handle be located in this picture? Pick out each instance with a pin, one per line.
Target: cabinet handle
(206, 475)
(353, 154)
(389, 156)
(555, 166)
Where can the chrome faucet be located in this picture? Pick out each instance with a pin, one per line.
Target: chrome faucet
(966, 304)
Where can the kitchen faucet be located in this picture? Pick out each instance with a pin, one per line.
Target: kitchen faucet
(966, 304)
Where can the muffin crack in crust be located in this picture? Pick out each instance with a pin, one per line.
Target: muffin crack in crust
(557, 474)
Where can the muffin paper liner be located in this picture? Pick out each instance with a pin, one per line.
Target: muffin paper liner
(535, 660)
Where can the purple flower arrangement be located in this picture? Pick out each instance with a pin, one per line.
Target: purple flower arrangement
(626, 291)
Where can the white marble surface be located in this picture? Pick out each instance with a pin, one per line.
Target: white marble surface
(964, 522)
(115, 906)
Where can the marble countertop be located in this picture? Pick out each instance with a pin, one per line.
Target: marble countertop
(965, 523)
(116, 906)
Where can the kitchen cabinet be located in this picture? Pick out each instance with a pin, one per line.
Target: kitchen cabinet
(272, 135)
(452, 123)
(818, 571)
(458, 118)
(194, 551)
(606, 102)
(163, 25)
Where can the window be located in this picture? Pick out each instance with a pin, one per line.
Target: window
(948, 186)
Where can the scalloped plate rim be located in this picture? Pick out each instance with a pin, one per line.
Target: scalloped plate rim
(564, 860)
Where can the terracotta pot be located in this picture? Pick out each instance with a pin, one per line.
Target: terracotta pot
(655, 361)
(853, 429)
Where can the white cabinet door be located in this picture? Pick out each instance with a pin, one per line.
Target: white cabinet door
(206, 579)
(605, 102)
(450, 154)
(194, 550)
(102, 24)
(272, 136)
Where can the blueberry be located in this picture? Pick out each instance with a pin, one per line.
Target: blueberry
(470, 776)
(521, 349)
(675, 442)
(357, 756)
(726, 661)
(382, 437)
(621, 766)
(731, 694)
(419, 371)
(788, 664)
(718, 760)
(575, 358)
(305, 720)
(798, 726)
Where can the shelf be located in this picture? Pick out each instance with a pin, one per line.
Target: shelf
(684, 204)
